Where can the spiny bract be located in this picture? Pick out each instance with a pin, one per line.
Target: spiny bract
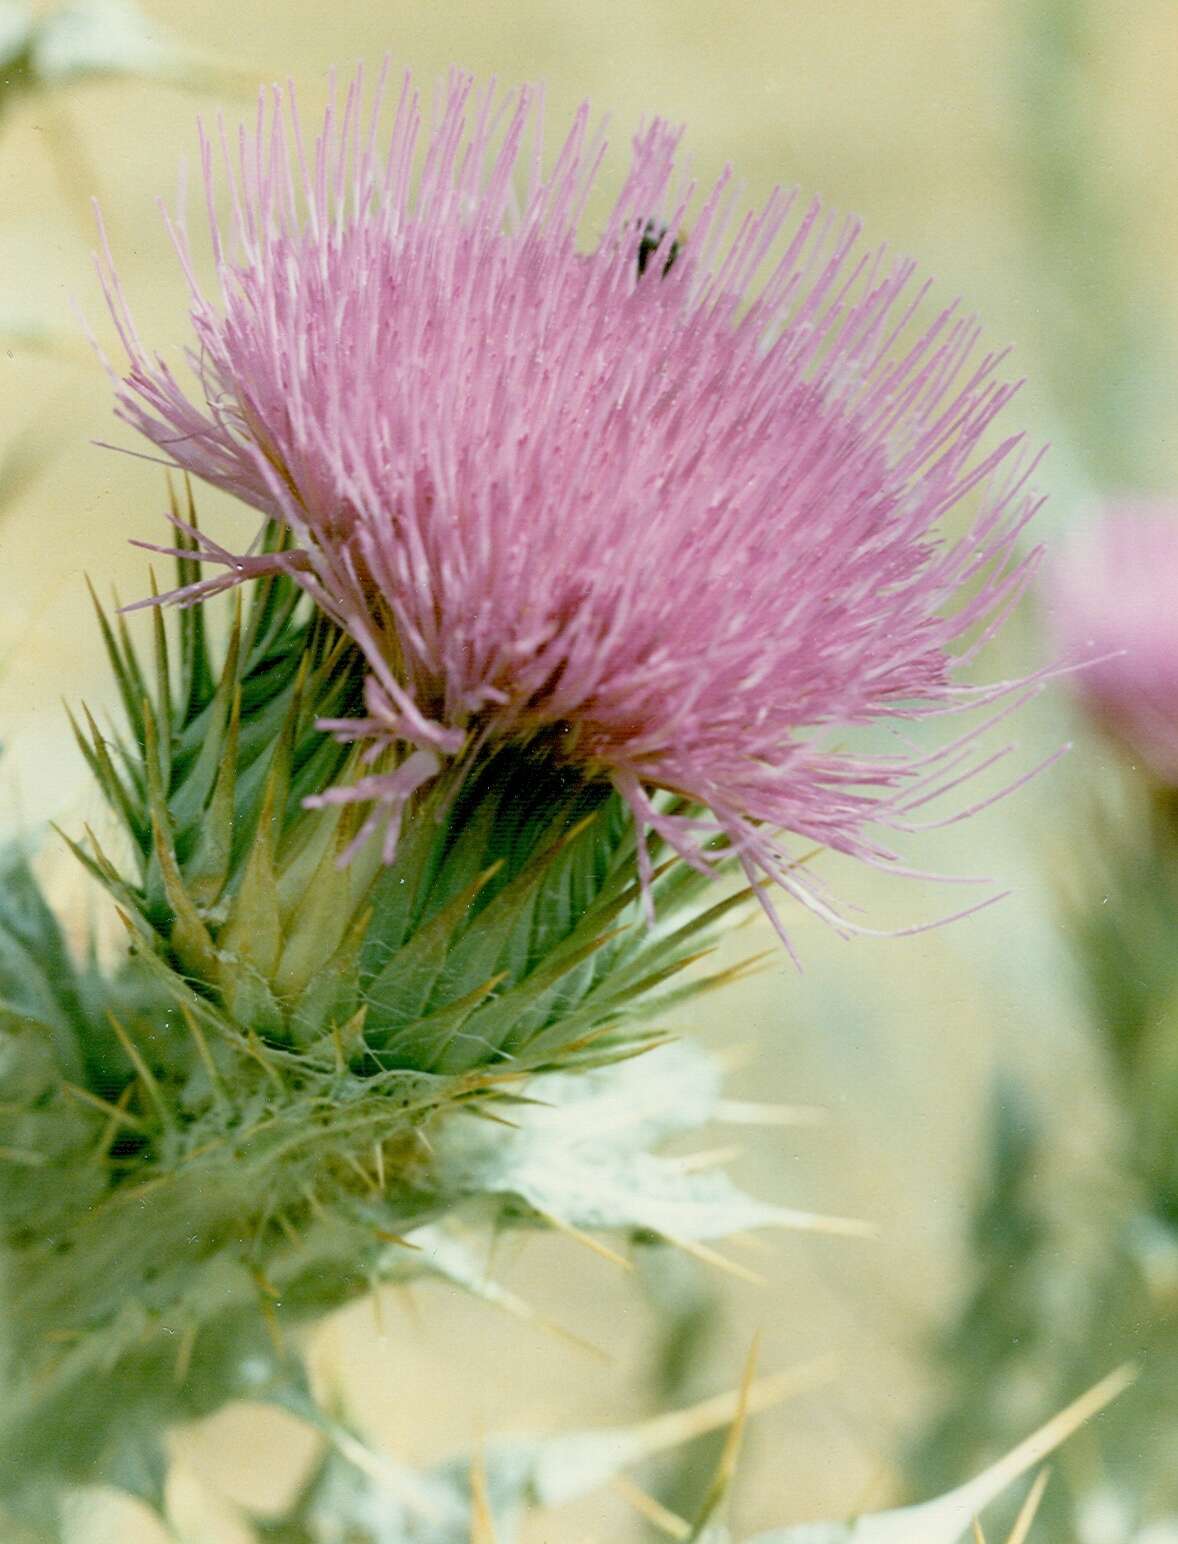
(233, 1132)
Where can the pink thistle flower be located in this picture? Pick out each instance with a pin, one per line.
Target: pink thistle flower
(677, 520)
(1111, 595)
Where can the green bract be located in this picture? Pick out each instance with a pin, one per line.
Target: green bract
(236, 1131)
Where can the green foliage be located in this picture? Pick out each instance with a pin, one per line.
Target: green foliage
(995, 1343)
(180, 1300)
(360, 1497)
(304, 1060)
(1056, 1296)
(41, 993)
(44, 1007)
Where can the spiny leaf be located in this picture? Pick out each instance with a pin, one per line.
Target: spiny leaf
(37, 977)
(945, 1520)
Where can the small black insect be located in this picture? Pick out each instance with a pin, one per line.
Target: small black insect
(651, 236)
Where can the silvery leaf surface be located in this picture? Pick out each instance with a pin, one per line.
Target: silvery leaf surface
(578, 1152)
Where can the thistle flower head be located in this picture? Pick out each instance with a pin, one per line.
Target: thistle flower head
(664, 505)
(1111, 594)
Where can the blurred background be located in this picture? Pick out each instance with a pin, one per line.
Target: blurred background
(1024, 152)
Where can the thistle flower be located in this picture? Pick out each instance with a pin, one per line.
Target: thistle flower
(1111, 598)
(664, 508)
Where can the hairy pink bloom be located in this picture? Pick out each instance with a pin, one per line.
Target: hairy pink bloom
(677, 519)
(1113, 599)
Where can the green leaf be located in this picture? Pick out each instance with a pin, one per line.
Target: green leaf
(578, 1152)
(38, 979)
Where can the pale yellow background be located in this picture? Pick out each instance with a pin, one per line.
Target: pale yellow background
(917, 115)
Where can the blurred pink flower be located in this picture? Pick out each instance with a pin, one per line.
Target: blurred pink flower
(676, 521)
(1113, 598)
